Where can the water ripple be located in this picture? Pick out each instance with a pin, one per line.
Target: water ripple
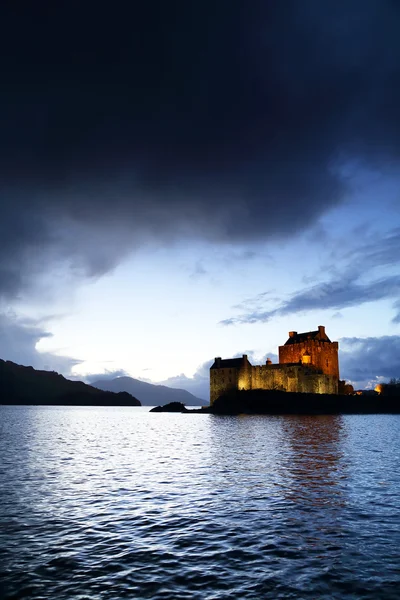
(103, 503)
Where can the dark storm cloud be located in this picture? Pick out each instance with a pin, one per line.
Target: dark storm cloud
(370, 360)
(357, 277)
(337, 294)
(227, 119)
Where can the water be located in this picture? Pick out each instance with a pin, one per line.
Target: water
(109, 503)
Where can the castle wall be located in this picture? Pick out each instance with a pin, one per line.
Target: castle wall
(268, 377)
(292, 378)
(245, 377)
(289, 378)
(324, 355)
(222, 380)
(317, 383)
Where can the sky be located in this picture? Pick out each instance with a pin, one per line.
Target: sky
(188, 179)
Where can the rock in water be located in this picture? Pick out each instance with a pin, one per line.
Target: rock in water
(171, 407)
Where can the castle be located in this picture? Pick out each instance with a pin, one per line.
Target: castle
(308, 362)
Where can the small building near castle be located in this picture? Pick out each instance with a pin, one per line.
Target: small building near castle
(308, 362)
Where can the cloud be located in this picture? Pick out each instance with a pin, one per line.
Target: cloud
(18, 339)
(167, 120)
(198, 271)
(396, 318)
(356, 278)
(198, 385)
(106, 375)
(368, 361)
(255, 302)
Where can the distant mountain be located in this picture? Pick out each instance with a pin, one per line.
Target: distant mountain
(26, 385)
(149, 394)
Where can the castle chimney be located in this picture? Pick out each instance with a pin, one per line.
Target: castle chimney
(244, 356)
(292, 333)
(321, 329)
(218, 361)
(269, 361)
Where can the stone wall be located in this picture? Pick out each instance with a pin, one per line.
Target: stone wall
(245, 376)
(324, 355)
(269, 377)
(289, 378)
(222, 380)
(316, 383)
(292, 378)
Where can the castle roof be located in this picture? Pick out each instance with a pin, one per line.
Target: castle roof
(228, 363)
(298, 338)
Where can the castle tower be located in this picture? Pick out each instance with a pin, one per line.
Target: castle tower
(311, 348)
(229, 374)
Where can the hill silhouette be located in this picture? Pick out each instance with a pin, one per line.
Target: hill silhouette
(150, 394)
(26, 385)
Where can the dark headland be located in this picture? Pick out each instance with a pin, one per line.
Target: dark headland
(25, 385)
(271, 402)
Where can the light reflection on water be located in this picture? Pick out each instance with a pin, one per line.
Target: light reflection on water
(120, 503)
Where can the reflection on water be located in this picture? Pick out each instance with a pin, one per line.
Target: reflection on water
(314, 464)
(119, 503)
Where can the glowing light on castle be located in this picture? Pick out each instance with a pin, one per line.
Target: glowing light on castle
(308, 362)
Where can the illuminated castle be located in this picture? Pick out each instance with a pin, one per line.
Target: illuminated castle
(308, 362)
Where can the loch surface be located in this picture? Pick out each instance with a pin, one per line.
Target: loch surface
(109, 503)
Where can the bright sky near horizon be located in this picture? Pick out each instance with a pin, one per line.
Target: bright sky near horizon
(167, 198)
